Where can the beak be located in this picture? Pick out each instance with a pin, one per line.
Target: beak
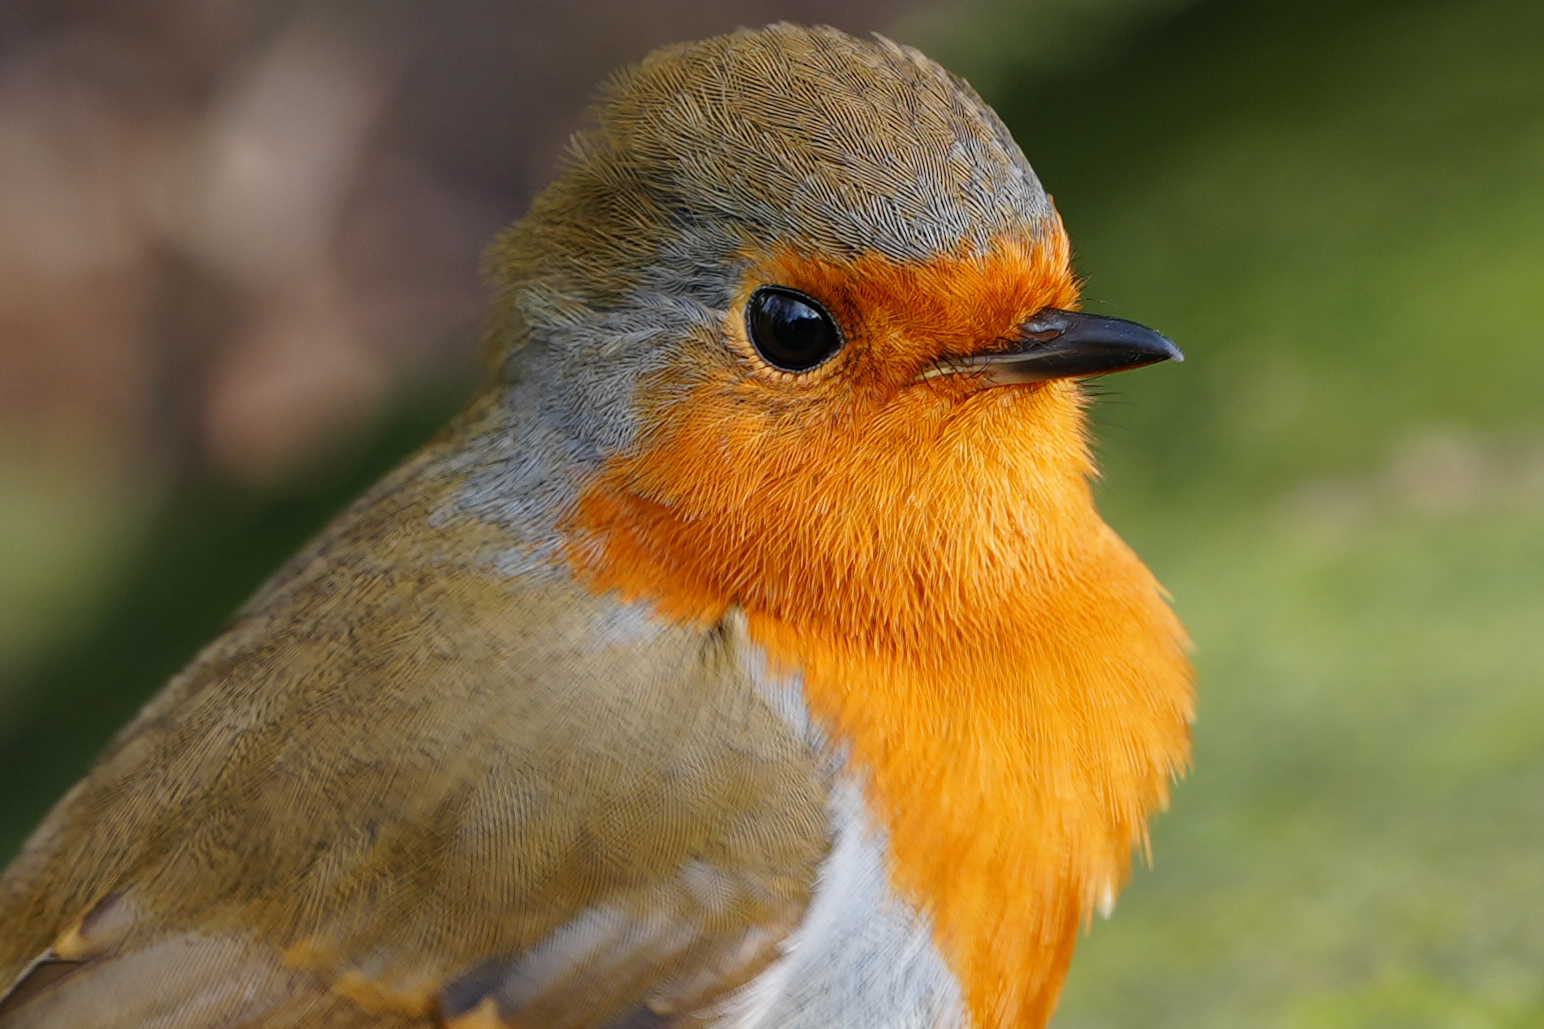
(1066, 345)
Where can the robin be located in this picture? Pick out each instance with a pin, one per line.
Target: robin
(748, 653)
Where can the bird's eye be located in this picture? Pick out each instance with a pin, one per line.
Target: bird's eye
(791, 331)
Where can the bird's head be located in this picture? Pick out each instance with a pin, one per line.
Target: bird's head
(806, 304)
(798, 327)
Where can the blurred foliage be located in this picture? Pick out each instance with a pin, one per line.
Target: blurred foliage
(1338, 210)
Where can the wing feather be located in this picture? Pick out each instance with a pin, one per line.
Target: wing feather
(405, 785)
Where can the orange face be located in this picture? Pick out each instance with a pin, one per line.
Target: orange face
(770, 489)
(925, 553)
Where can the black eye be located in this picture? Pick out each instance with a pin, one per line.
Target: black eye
(791, 331)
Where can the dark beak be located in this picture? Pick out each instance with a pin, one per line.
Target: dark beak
(1067, 345)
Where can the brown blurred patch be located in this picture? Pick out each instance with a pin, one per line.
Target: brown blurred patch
(231, 230)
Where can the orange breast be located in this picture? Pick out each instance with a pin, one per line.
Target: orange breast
(928, 557)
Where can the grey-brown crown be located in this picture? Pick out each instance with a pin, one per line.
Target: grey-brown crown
(781, 136)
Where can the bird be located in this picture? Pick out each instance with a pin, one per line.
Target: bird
(748, 653)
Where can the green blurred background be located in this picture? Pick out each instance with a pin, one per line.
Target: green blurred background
(1336, 208)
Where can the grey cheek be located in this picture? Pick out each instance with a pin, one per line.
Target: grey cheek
(567, 402)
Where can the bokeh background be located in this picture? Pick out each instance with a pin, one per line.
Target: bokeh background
(238, 242)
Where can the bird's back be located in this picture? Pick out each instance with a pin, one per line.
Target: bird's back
(399, 774)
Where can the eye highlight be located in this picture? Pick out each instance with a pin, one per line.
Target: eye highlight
(790, 330)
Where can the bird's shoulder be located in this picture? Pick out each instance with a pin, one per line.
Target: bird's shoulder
(410, 782)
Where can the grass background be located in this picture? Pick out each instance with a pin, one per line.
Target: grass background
(1338, 210)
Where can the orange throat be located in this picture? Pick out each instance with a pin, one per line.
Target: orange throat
(928, 560)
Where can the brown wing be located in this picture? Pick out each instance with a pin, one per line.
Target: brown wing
(405, 786)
